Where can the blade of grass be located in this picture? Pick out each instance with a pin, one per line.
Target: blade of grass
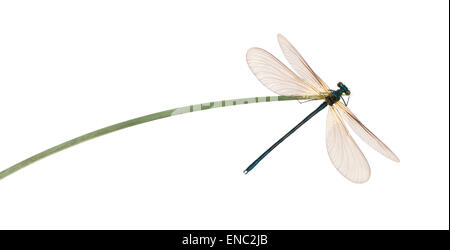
(144, 119)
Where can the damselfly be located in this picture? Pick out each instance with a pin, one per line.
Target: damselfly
(342, 149)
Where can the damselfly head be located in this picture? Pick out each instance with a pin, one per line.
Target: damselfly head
(344, 88)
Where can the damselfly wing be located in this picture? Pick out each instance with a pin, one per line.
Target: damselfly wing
(301, 66)
(342, 149)
(364, 133)
(276, 76)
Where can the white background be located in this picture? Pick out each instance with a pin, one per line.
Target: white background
(68, 68)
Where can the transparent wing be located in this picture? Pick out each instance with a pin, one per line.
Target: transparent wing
(276, 76)
(301, 66)
(364, 133)
(343, 151)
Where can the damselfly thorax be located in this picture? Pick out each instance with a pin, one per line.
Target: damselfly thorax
(335, 95)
